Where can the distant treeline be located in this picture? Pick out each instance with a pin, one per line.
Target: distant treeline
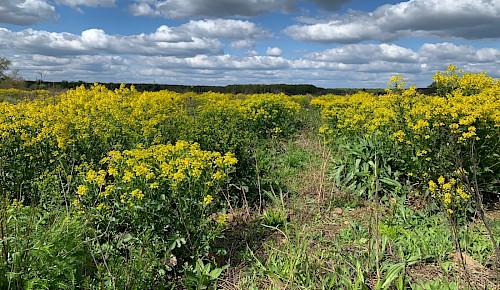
(301, 89)
(231, 89)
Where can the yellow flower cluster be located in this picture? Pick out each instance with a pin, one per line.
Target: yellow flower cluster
(451, 194)
(81, 115)
(361, 112)
(419, 128)
(132, 175)
(413, 115)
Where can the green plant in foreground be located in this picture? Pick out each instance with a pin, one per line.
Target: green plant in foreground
(42, 250)
(203, 276)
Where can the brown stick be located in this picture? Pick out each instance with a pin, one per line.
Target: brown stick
(376, 234)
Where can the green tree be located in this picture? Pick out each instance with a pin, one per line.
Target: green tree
(4, 66)
(12, 79)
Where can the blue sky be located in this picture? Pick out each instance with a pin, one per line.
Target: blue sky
(328, 43)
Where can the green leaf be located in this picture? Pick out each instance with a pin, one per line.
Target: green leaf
(392, 273)
(390, 182)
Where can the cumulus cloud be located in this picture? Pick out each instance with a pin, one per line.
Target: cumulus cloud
(29, 12)
(218, 62)
(274, 51)
(178, 9)
(164, 41)
(466, 19)
(458, 53)
(26, 12)
(225, 28)
(194, 37)
(364, 53)
(143, 9)
(251, 53)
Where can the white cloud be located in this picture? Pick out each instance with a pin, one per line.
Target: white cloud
(462, 54)
(178, 9)
(90, 3)
(337, 31)
(26, 12)
(95, 38)
(94, 41)
(225, 28)
(192, 38)
(251, 53)
(274, 51)
(364, 53)
(143, 9)
(466, 19)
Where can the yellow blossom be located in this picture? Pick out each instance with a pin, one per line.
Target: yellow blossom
(447, 198)
(462, 193)
(112, 171)
(208, 199)
(128, 176)
(137, 193)
(218, 175)
(81, 190)
(432, 186)
(91, 176)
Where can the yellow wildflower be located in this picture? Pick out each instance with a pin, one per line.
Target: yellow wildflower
(218, 175)
(196, 172)
(432, 186)
(462, 193)
(208, 199)
(447, 198)
(177, 176)
(91, 176)
(128, 176)
(112, 171)
(81, 190)
(137, 193)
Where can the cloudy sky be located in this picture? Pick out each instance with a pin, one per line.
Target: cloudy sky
(328, 43)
